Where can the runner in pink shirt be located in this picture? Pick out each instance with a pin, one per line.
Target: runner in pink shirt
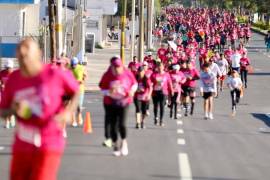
(34, 94)
(178, 78)
(162, 88)
(189, 87)
(244, 63)
(142, 97)
(161, 53)
(4, 75)
(134, 65)
(118, 85)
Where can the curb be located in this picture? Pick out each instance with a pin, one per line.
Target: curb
(258, 31)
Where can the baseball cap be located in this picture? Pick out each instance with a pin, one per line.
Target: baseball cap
(74, 61)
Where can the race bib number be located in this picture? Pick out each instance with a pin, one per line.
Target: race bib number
(29, 134)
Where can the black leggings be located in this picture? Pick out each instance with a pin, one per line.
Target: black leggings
(107, 125)
(159, 99)
(118, 116)
(141, 106)
(235, 94)
(173, 107)
(244, 76)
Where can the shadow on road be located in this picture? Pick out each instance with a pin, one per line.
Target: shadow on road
(260, 74)
(263, 117)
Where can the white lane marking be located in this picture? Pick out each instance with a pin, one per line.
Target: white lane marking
(184, 167)
(180, 131)
(181, 141)
(2, 148)
(179, 122)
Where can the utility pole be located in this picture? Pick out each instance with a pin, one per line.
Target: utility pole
(150, 16)
(141, 34)
(51, 7)
(133, 29)
(59, 27)
(123, 24)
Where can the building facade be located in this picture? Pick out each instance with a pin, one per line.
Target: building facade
(19, 18)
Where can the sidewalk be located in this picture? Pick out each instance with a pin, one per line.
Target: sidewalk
(98, 63)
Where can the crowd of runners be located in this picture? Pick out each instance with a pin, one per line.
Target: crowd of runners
(200, 50)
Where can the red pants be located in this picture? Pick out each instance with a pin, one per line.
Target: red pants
(36, 165)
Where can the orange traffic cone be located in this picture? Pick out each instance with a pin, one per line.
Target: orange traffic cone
(87, 127)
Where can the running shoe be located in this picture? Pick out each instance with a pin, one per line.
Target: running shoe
(147, 113)
(143, 126)
(137, 126)
(7, 125)
(211, 116)
(161, 124)
(234, 111)
(156, 121)
(107, 143)
(74, 124)
(206, 116)
(124, 148)
(12, 121)
(80, 123)
(116, 151)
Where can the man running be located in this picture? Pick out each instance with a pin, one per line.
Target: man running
(34, 93)
(208, 90)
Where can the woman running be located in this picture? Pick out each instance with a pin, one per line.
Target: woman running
(208, 90)
(189, 87)
(178, 78)
(244, 63)
(235, 84)
(162, 88)
(118, 85)
(142, 97)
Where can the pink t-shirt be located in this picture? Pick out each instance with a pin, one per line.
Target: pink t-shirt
(178, 78)
(244, 62)
(133, 66)
(162, 82)
(143, 89)
(44, 94)
(162, 54)
(190, 73)
(121, 85)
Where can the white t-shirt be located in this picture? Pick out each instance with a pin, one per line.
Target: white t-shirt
(223, 66)
(215, 69)
(235, 58)
(234, 83)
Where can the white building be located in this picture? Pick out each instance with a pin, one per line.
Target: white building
(98, 13)
(18, 18)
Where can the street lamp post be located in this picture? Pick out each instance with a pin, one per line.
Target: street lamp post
(123, 24)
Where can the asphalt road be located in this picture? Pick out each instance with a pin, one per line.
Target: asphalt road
(226, 148)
